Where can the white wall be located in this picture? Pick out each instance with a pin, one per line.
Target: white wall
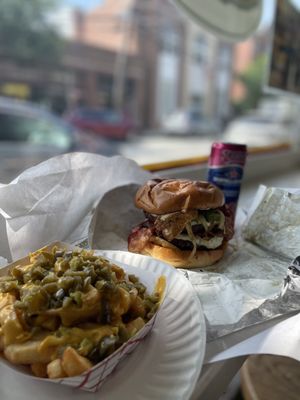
(167, 84)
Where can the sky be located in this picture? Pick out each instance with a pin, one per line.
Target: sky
(268, 10)
(296, 4)
(84, 4)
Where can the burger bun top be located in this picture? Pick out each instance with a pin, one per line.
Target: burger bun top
(163, 196)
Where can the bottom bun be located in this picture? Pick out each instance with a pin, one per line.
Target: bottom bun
(181, 258)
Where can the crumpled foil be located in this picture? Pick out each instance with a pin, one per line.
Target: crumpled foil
(292, 279)
(257, 280)
(244, 289)
(275, 224)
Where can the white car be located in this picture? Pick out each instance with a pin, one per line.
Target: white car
(189, 122)
(257, 130)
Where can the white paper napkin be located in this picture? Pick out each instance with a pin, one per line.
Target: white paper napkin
(55, 199)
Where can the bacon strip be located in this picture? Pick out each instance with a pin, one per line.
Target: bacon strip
(229, 222)
(139, 237)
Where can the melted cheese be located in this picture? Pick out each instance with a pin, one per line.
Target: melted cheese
(74, 336)
(160, 286)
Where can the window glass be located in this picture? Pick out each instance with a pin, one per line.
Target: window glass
(13, 128)
(142, 77)
(47, 132)
(33, 130)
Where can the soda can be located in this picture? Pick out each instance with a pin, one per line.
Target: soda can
(225, 170)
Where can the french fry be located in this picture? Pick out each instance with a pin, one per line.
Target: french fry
(134, 326)
(39, 370)
(6, 299)
(27, 353)
(11, 327)
(55, 369)
(121, 303)
(73, 363)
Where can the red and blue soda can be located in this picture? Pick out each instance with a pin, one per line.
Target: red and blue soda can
(226, 168)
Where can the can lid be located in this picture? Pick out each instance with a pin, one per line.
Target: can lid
(230, 146)
(227, 154)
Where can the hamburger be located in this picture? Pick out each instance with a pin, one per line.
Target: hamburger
(186, 222)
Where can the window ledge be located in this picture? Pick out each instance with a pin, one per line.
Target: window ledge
(261, 162)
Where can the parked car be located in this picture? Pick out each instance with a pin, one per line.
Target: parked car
(273, 122)
(190, 122)
(30, 134)
(256, 130)
(105, 122)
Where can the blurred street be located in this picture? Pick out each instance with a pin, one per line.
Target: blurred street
(150, 149)
(142, 149)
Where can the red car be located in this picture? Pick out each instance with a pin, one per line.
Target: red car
(108, 123)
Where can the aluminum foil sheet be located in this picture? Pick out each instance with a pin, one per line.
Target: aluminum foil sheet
(242, 290)
(259, 278)
(275, 223)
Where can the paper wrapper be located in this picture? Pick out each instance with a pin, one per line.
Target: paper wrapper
(92, 380)
(55, 199)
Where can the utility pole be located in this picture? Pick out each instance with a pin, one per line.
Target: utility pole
(147, 15)
(119, 75)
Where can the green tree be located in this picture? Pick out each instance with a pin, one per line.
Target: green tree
(26, 33)
(252, 79)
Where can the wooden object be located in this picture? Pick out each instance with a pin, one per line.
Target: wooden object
(268, 377)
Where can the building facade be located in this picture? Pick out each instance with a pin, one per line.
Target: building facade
(136, 55)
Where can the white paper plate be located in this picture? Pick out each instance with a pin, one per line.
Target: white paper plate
(165, 366)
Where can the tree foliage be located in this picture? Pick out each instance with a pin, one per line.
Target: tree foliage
(26, 32)
(252, 79)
